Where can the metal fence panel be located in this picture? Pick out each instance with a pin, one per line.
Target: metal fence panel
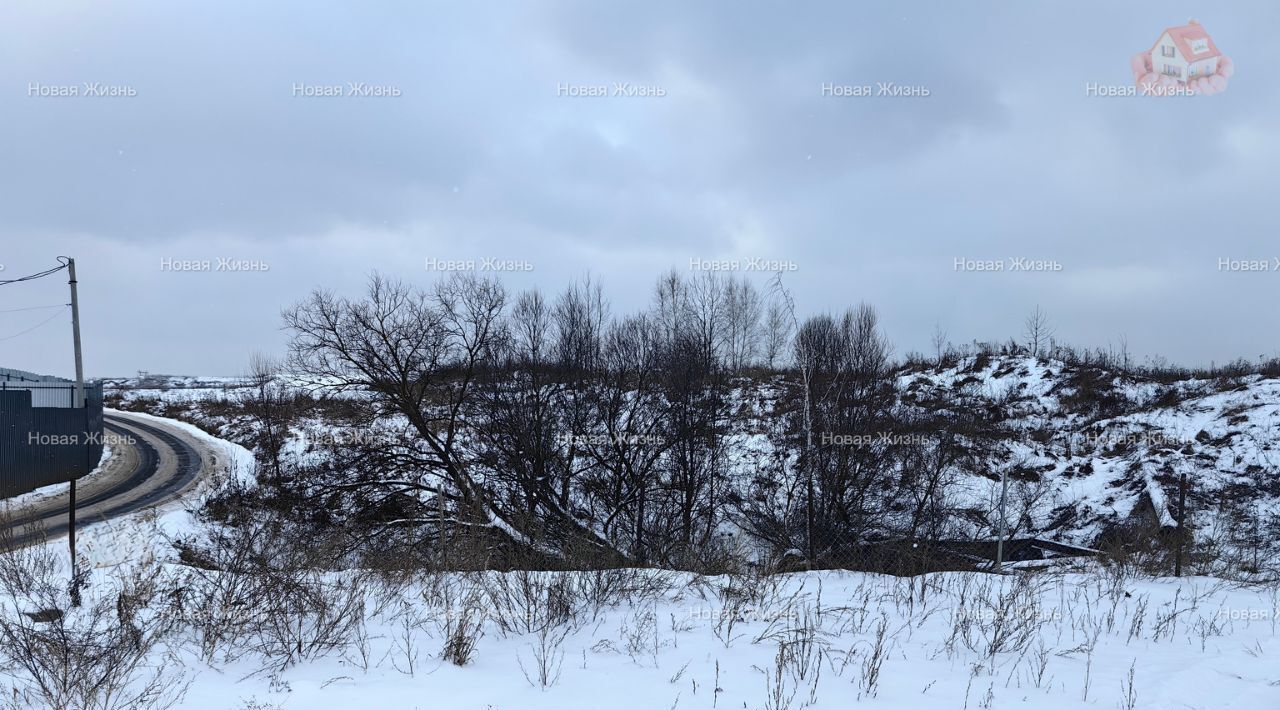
(43, 438)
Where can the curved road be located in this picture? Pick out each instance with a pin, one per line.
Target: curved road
(151, 464)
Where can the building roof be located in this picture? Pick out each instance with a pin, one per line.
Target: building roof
(11, 375)
(1185, 36)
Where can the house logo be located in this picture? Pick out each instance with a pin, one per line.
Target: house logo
(1183, 61)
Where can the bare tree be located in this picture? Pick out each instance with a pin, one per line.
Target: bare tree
(419, 355)
(742, 323)
(852, 399)
(705, 319)
(939, 342)
(519, 403)
(1037, 330)
(621, 432)
(268, 403)
(1126, 362)
(804, 361)
(691, 487)
(580, 317)
(671, 305)
(777, 331)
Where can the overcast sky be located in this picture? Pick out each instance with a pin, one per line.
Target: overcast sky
(207, 152)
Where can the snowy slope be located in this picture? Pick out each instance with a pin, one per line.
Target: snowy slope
(1087, 450)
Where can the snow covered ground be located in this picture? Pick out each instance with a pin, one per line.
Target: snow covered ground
(807, 640)
(1087, 636)
(828, 640)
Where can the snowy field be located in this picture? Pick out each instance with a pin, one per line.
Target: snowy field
(1090, 638)
(819, 640)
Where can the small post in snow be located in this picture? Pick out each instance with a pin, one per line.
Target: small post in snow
(1182, 517)
(1004, 492)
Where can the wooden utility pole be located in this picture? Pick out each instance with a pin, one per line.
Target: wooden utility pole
(78, 402)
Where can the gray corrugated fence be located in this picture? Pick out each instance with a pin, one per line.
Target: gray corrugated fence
(43, 438)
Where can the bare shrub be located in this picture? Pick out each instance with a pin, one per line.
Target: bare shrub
(600, 589)
(263, 589)
(109, 652)
(990, 621)
(311, 614)
(528, 601)
(459, 616)
(547, 660)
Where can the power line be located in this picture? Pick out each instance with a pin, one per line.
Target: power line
(37, 325)
(32, 277)
(33, 308)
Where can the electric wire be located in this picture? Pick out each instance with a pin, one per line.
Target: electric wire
(33, 277)
(37, 325)
(33, 308)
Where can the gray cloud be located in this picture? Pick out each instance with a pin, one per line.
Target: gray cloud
(873, 197)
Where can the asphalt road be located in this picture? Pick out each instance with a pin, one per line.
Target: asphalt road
(151, 464)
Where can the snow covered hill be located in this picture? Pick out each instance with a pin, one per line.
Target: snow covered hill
(1111, 449)
(1089, 453)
